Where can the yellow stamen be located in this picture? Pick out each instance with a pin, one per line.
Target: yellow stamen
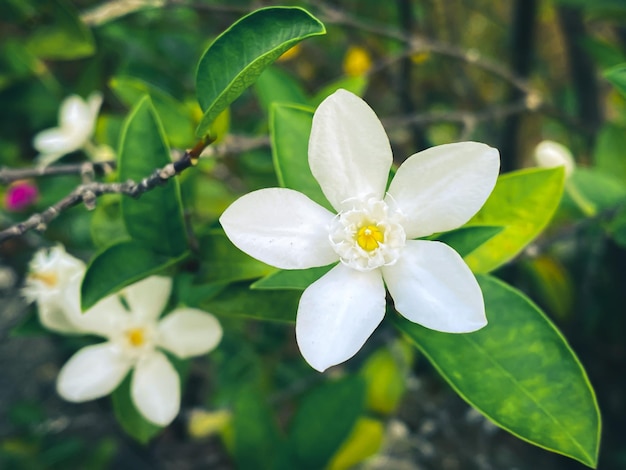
(49, 279)
(136, 336)
(369, 236)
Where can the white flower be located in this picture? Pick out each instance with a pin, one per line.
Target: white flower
(372, 234)
(129, 321)
(53, 282)
(77, 120)
(549, 154)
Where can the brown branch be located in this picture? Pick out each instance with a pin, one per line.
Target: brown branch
(8, 175)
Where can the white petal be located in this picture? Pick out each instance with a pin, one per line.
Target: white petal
(55, 141)
(106, 318)
(53, 316)
(94, 101)
(337, 314)
(93, 372)
(189, 332)
(155, 389)
(431, 285)
(443, 187)
(74, 111)
(280, 227)
(148, 297)
(349, 152)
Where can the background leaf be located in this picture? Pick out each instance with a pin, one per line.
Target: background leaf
(298, 279)
(156, 218)
(238, 56)
(519, 372)
(465, 240)
(523, 202)
(118, 266)
(617, 76)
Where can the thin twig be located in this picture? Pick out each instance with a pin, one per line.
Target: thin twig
(88, 193)
(8, 175)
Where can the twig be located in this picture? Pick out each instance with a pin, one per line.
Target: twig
(8, 175)
(88, 193)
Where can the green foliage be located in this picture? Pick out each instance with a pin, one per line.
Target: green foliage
(467, 239)
(298, 279)
(240, 54)
(518, 371)
(617, 76)
(522, 202)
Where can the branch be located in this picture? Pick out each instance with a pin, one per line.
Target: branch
(89, 192)
(8, 175)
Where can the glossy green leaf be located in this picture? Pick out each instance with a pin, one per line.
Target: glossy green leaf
(465, 240)
(240, 301)
(298, 279)
(617, 76)
(226, 263)
(67, 37)
(175, 117)
(519, 372)
(276, 86)
(323, 421)
(107, 226)
(256, 435)
(118, 266)
(523, 202)
(290, 128)
(156, 218)
(238, 56)
(129, 417)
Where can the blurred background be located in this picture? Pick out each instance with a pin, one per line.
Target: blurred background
(510, 74)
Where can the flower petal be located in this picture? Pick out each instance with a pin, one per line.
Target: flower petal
(93, 372)
(189, 332)
(55, 141)
(148, 297)
(443, 187)
(337, 314)
(349, 152)
(103, 319)
(155, 389)
(431, 285)
(280, 227)
(53, 316)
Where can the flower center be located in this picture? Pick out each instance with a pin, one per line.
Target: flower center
(136, 337)
(367, 235)
(48, 278)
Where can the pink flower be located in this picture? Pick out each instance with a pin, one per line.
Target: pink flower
(20, 195)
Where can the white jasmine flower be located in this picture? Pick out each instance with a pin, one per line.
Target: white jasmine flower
(372, 233)
(549, 154)
(135, 337)
(53, 282)
(77, 121)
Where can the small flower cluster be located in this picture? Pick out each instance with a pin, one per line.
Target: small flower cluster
(135, 336)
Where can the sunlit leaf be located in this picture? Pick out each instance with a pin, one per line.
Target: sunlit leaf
(156, 218)
(519, 372)
(522, 202)
(290, 128)
(238, 56)
(364, 441)
(118, 266)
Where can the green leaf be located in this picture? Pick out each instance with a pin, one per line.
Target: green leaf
(290, 128)
(601, 190)
(176, 118)
(66, 38)
(107, 226)
(276, 86)
(465, 240)
(156, 218)
(519, 372)
(608, 154)
(324, 420)
(227, 263)
(298, 279)
(617, 76)
(118, 266)
(256, 434)
(522, 202)
(356, 85)
(617, 227)
(240, 301)
(240, 54)
(129, 418)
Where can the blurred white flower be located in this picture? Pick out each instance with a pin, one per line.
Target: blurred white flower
(77, 121)
(53, 282)
(433, 191)
(549, 154)
(130, 322)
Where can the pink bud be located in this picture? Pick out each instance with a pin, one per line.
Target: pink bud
(20, 194)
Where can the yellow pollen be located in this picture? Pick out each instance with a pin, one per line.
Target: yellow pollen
(369, 236)
(49, 279)
(136, 336)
